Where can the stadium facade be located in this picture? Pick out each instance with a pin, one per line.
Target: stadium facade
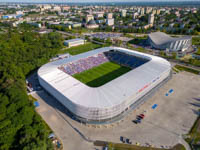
(111, 100)
(162, 41)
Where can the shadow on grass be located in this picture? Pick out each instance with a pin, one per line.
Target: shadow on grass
(139, 41)
(108, 77)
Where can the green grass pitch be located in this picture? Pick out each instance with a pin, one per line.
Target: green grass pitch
(81, 48)
(101, 74)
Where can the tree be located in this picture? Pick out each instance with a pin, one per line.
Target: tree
(21, 53)
(108, 40)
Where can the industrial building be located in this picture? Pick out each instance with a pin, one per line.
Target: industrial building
(162, 41)
(74, 42)
(111, 100)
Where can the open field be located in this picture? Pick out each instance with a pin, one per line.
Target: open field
(81, 49)
(101, 74)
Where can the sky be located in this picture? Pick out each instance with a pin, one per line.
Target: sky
(78, 1)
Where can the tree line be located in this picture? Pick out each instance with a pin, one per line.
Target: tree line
(20, 53)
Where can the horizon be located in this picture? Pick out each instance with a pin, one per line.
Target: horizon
(95, 1)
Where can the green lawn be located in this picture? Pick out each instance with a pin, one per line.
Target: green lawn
(196, 41)
(194, 134)
(81, 49)
(101, 74)
(138, 40)
(182, 68)
(198, 51)
(119, 146)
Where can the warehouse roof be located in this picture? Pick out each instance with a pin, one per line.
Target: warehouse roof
(110, 94)
(160, 38)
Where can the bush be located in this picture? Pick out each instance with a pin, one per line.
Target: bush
(182, 68)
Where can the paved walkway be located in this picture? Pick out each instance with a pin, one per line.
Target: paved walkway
(70, 136)
(186, 145)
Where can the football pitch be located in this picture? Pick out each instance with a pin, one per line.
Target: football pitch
(101, 74)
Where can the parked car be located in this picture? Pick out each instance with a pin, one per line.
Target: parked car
(137, 121)
(141, 116)
(122, 139)
(127, 141)
(105, 148)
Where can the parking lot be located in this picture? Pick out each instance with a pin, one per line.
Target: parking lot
(102, 35)
(164, 125)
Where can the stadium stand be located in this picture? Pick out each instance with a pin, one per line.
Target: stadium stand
(95, 60)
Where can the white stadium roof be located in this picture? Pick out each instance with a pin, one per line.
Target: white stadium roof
(109, 94)
(160, 38)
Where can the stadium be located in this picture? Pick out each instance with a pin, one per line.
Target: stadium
(162, 41)
(102, 85)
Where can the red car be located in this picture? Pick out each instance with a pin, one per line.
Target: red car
(141, 116)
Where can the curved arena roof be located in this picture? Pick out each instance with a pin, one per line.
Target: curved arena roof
(160, 38)
(107, 96)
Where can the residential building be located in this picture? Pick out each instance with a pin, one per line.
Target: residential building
(151, 19)
(65, 8)
(89, 17)
(123, 13)
(99, 15)
(109, 16)
(56, 8)
(142, 11)
(110, 22)
(135, 15)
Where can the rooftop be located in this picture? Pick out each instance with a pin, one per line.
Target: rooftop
(73, 40)
(110, 94)
(160, 38)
